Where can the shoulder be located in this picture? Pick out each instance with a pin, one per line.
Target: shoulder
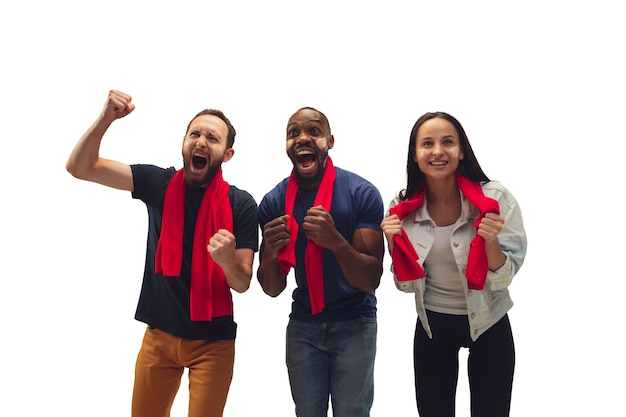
(494, 188)
(151, 173)
(360, 196)
(239, 194)
(394, 202)
(497, 191)
(241, 198)
(277, 193)
(149, 179)
(354, 181)
(273, 202)
(152, 169)
(350, 176)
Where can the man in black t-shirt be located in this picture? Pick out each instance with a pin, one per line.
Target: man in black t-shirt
(202, 237)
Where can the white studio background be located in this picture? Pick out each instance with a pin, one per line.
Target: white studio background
(538, 85)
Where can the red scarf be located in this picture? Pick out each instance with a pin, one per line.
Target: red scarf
(209, 295)
(313, 256)
(405, 258)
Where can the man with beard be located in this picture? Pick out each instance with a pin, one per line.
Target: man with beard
(202, 237)
(324, 222)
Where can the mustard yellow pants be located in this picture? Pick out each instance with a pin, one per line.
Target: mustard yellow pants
(160, 366)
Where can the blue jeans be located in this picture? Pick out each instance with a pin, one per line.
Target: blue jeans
(333, 360)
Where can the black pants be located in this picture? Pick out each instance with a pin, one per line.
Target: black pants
(491, 362)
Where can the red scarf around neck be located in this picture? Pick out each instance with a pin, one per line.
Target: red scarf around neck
(313, 256)
(209, 295)
(404, 257)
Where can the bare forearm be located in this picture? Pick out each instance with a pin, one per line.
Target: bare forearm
(236, 263)
(86, 153)
(362, 270)
(270, 276)
(238, 276)
(85, 162)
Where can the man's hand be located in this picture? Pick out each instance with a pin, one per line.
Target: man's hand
(275, 236)
(222, 248)
(118, 105)
(319, 226)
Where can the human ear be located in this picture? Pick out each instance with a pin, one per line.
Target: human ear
(228, 155)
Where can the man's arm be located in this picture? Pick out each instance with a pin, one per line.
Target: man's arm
(236, 263)
(361, 261)
(275, 237)
(85, 162)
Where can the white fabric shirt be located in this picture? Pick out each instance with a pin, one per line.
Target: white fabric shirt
(444, 292)
(487, 306)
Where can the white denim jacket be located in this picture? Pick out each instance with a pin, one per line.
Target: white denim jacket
(487, 306)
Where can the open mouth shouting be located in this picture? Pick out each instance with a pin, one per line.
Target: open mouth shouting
(198, 162)
(306, 161)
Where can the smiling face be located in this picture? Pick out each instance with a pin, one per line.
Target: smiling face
(308, 142)
(204, 149)
(437, 148)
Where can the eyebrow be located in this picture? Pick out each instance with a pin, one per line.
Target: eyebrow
(430, 137)
(212, 132)
(308, 121)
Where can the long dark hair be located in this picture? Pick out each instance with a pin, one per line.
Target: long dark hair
(468, 166)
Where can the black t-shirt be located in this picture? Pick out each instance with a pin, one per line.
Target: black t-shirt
(164, 301)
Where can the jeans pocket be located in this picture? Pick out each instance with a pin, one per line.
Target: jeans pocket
(368, 319)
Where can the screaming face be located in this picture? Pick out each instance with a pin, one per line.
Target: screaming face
(204, 149)
(308, 142)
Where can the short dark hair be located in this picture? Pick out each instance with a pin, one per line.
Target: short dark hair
(324, 118)
(230, 139)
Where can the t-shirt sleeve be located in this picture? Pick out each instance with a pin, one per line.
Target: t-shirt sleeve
(245, 216)
(370, 205)
(150, 183)
(272, 205)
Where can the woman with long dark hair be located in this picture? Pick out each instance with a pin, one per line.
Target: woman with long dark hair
(457, 240)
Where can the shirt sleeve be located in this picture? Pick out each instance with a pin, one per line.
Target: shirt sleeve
(245, 215)
(371, 207)
(150, 183)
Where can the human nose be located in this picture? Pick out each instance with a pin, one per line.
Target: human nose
(202, 141)
(303, 138)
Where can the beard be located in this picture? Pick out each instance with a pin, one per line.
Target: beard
(312, 182)
(200, 181)
(308, 182)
